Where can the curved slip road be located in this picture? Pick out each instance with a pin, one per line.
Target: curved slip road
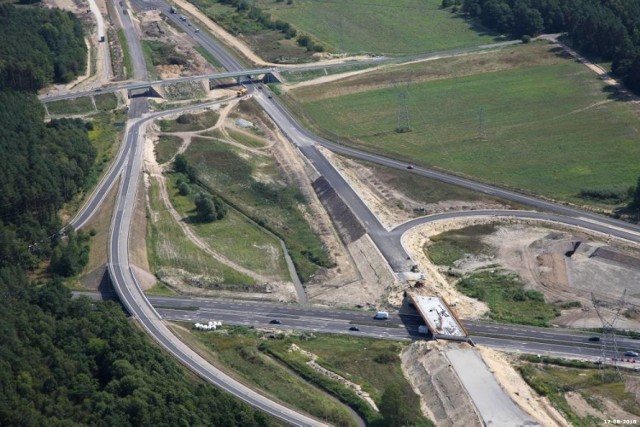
(136, 302)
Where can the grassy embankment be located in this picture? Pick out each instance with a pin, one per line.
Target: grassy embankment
(83, 105)
(558, 379)
(172, 254)
(237, 353)
(253, 185)
(71, 106)
(106, 101)
(426, 190)
(126, 54)
(503, 291)
(147, 51)
(373, 364)
(167, 147)
(523, 117)
(190, 122)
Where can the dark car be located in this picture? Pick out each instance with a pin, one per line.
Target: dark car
(631, 354)
(270, 96)
(409, 166)
(594, 339)
(275, 321)
(354, 328)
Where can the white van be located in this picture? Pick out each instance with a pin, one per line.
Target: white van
(381, 315)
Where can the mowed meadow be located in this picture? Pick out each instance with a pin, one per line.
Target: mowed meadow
(524, 117)
(388, 27)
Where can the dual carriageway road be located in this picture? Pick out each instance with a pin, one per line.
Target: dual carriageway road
(127, 168)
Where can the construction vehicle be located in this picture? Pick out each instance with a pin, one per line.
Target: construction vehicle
(243, 90)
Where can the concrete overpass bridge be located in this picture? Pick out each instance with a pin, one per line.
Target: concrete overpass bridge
(154, 88)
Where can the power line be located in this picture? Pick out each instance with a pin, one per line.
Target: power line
(402, 116)
(609, 343)
(481, 130)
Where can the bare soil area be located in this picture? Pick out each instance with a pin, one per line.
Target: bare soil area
(442, 396)
(154, 27)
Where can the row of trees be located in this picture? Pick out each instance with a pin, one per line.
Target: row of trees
(609, 30)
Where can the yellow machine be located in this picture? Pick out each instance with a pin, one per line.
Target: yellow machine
(242, 91)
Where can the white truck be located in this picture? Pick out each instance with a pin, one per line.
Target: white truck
(381, 315)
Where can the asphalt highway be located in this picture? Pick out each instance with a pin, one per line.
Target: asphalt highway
(137, 107)
(135, 47)
(578, 347)
(402, 325)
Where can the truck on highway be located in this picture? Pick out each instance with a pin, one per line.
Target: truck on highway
(381, 315)
(242, 91)
(172, 9)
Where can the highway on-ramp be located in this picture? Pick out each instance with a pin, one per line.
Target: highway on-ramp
(137, 304)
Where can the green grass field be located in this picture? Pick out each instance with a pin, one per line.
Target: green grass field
(389, 27)
(167, 147)
(106, 101)
(451, 246)
(237, 350)
(253, 185)
(81, 105)
(171, 253)
(550, 126)
(234, 236)
(507, 300)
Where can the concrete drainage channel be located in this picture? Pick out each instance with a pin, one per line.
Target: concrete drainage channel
(494, 405)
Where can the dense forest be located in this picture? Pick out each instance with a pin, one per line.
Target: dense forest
(608, 30)
(67, 361)
(39, 46)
